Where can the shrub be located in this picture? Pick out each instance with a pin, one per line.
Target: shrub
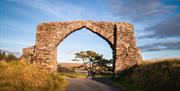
(65, 69)
(7, 57)
(15, 76)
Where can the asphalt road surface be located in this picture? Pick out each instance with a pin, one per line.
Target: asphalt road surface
(87, 84)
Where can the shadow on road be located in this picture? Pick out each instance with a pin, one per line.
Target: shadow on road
(106, 81)
(91, 84)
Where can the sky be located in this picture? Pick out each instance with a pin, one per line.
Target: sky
(156, 23)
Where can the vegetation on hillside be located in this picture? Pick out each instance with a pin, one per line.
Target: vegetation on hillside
(65, 69)
(73, 75)
(7, 57)
(17, 76)
(69, 71)
(152, 76)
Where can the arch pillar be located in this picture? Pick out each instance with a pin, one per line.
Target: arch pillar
(127, 54)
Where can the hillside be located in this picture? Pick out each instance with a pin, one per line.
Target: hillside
(70, 65)
(162, 75)
(161, 59)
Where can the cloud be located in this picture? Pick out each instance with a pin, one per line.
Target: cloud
(167, 28)
(56, 9)
(140, 10)
(160, 16)
(161, 46)
(61, 10)
(43, 6)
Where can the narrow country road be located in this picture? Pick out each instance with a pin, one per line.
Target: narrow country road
(86, 84)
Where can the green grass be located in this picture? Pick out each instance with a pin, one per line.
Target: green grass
(16, 76)
(159, 76)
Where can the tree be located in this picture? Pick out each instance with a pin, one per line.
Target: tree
(7, 57)
(97, 63)
(2, 55)
(11, 57)
(103, 66)
(87, 57)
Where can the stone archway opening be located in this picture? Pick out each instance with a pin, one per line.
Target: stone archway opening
(83, 40)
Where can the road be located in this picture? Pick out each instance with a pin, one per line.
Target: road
(87, 84)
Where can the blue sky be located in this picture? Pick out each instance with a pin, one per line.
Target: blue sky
(156, 22)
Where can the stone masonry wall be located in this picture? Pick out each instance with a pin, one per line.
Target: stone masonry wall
(28, 54)
(119, 35)
(127, 54)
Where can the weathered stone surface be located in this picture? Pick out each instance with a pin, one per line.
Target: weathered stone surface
(28, 53)
(119, 35)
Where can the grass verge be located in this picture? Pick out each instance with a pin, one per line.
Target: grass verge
(15, 76)
(159, 76)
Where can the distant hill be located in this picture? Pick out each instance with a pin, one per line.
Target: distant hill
(162, 59)
(70, 65)
(17, 54)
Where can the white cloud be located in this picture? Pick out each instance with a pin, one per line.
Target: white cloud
(64, 11)
(140, 10)
(59, 10)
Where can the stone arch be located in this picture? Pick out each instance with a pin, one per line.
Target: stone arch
(119, 35)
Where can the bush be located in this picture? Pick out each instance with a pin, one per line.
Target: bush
(15, 76)
(7, 57)
(65, 69)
